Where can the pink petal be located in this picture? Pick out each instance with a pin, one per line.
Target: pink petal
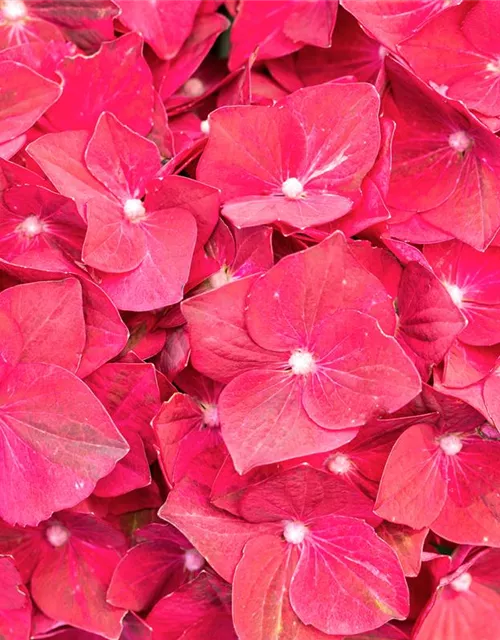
(328, 158)
(358, 580)
(261, 607)
(200, 607)
(226, 350)
(429, 320)
(392, 22)
(61, 156)
(50, 318)
(473, 278)
(303, 493)
(106, 333)
(67, 448)
(263, 421)
(182, 436)
(88, 567)
(15, 605)
(286, 304)
(477, 523)
(162, 24)
(123, 161)
(355, 361)
(125, 89)
(407, 543)
(160, 278)
(218, 536)
(150, 569)
(413, 488)
(26, 95)
(113, 244)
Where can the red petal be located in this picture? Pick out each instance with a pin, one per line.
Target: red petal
(26, 95)
(219, 537)
(66, 447)
(263, 421)
(50, 318)
(413, 488)
(358, 580)
(355, 361)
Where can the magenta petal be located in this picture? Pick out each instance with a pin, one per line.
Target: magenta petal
(313, 209)
(159, 279)
(261, 606)
(303, 493)
(359, 584)
(226, 350)
(26, 95)
(218, 536)
(200, 607)
(122, 160)
(67, 449)
(354, 361)
(263, 421)
(51, 320)
(113, 243)
(15, 605)
(429, 320)
(249, 154)
(413, 488)
(126, 90)
(287, 303)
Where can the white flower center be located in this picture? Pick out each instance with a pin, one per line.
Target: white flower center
(462, 583)
(30, 227)
(440, 88)
(220, 278)
(211, 416)
(292, 188)
(14, 10)
(134, 210)
(456, 293)
(295, 532)
(57, 535)
(205, 127)
(193, 561)
(451, 445)
(339, 464)
(302, 362)
(459, 141)
(194, 87)
(494, 66)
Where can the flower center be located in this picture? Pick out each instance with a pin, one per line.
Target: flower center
(194, 87)
(220, 278)
(339, 464)
(442, 89)
(211, 416)
(14, 10)
(134, 210)
(494, 66)
(57, 535)
(451, 445)
(459, 141)
(302, 362)
(455, 293)
(30, 227)
(193, 561)
(295, 532)
(462, 583)
(292, 188)
(205, 127)
(382, 52)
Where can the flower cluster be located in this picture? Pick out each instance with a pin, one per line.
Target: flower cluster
(249, 319)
